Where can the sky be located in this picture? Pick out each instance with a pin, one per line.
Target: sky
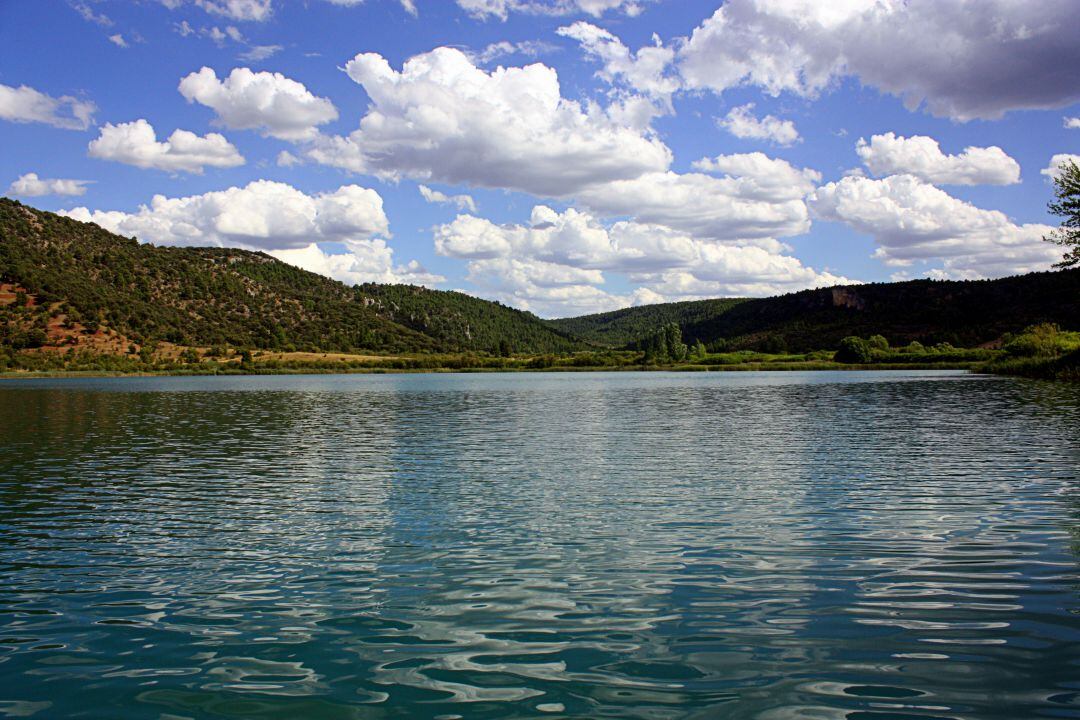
(560, 156)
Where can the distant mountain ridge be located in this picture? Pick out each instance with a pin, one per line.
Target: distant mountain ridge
(965, 313)
(620, 328)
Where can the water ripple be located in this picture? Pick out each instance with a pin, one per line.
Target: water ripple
(864, 546)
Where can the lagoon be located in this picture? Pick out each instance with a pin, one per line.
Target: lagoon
(858, 545)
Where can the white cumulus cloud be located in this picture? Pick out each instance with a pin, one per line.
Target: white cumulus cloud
(135, 143)
(24, 104)
(741, 272)
(434, 118)
(913, 221)
(762, 177)
(569, 239)
(30, 185)
(719, 208)
(921, 156)
(337, 233)
(1053, 169)
(742, 123)
(956, 60)
(746, 198)
(362, 261)
(646, 71)
(544, 288)
(270, 102)
(556, 263)
(263, 215)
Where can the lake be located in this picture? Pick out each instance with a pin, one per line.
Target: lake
(860, 545)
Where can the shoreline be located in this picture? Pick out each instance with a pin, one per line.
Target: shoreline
(739, 367)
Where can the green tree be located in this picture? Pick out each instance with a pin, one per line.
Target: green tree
(676, 348)
(664, 346)
(1067, 192)
(878, 342)
(853, 350)
(655, 347)
(146, 352)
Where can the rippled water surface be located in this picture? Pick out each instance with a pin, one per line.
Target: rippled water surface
(866, 546)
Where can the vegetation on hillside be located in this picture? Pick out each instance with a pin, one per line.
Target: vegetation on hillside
(235, 298)
(624, 328)
(74, 297)
(190, 296)
(961, 313)
(464, 322)
(667, 346)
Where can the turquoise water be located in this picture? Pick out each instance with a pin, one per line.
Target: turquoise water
(866, 546)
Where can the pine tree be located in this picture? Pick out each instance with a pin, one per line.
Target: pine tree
(1067, 192)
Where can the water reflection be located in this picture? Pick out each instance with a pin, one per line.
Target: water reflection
(636, 545)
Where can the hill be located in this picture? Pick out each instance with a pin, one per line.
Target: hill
(964, 313)
(76, 283)
(467, 322)
(69, 284)
(621, 328)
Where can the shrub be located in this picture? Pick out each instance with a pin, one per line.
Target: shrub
(1043, 340)
(853, 350)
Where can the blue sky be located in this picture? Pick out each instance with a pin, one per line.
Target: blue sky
(575, 155)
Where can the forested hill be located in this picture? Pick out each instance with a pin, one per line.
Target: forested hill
(620, 328)
(77, 275)
(963, 313)
(67, 282)
(455, 318)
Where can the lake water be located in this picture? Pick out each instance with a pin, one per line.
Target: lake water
(866, 546)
